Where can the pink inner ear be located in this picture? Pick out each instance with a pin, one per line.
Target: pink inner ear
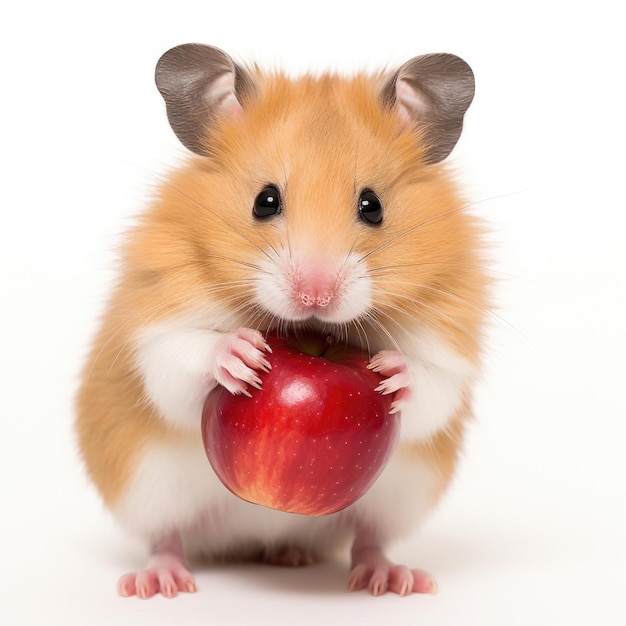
(230, 106)
(222, 92)
(411, 105)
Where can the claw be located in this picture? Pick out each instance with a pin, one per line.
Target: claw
(392, 364)
(165, 574)
(238, 356)
(371, 570)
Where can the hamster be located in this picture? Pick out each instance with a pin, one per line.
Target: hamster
(322, 202)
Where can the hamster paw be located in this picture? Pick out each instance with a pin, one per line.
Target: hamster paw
(165, 573)
(236, 359)
(167, 578)
(391, 363)
(371, 570)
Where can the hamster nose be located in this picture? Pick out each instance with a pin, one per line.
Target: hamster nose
(311, 300)
(316, 286)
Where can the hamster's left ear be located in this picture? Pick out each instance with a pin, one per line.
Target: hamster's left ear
(432, 92)
(200, 84)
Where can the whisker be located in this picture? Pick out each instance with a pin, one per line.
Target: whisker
(382, 330)
(490, 313)
(408, 231)
(391, 269)
(253, 266)
(431, 321)
(166, 183)
(148, 315)
(443, 292)
(434, 218)
(362, 335)
(228, 319)
(259, 318)
(126, 322)
(421, 304)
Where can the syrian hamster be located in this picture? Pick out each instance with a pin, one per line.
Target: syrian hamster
(321, 202)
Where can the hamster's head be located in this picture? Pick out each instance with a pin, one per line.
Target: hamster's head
(319, 200)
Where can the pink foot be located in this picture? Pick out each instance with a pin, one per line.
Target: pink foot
(391, 363)
(237, 358)
(371, 570)
(165, 573)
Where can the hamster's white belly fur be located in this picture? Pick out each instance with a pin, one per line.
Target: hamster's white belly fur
(174, 487)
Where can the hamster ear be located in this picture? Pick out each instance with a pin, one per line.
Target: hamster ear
(198, 84)
(432, 92)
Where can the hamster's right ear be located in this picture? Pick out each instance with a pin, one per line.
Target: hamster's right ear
(432, 92)
(200, 83)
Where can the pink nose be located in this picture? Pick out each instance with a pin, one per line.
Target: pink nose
(310, 300)
(317, 284)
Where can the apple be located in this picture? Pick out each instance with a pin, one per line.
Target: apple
(313, 439)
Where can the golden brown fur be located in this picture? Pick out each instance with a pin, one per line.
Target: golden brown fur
(326, 139)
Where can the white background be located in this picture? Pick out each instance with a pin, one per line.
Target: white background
(533, 530)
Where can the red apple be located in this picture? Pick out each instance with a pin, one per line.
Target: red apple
(315, 437)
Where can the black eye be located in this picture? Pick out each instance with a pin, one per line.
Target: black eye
(370, 207)
(267, 203)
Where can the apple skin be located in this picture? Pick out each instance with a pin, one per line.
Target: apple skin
(313, 439)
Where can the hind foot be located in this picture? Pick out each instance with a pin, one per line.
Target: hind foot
(165, 573)
(372, 570)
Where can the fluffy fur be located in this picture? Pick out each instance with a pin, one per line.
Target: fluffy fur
(198, 265)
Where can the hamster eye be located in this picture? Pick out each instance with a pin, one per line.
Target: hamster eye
(267, 203)
(370, 207)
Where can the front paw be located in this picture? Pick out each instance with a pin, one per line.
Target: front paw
(237, 358)
(392, 365)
